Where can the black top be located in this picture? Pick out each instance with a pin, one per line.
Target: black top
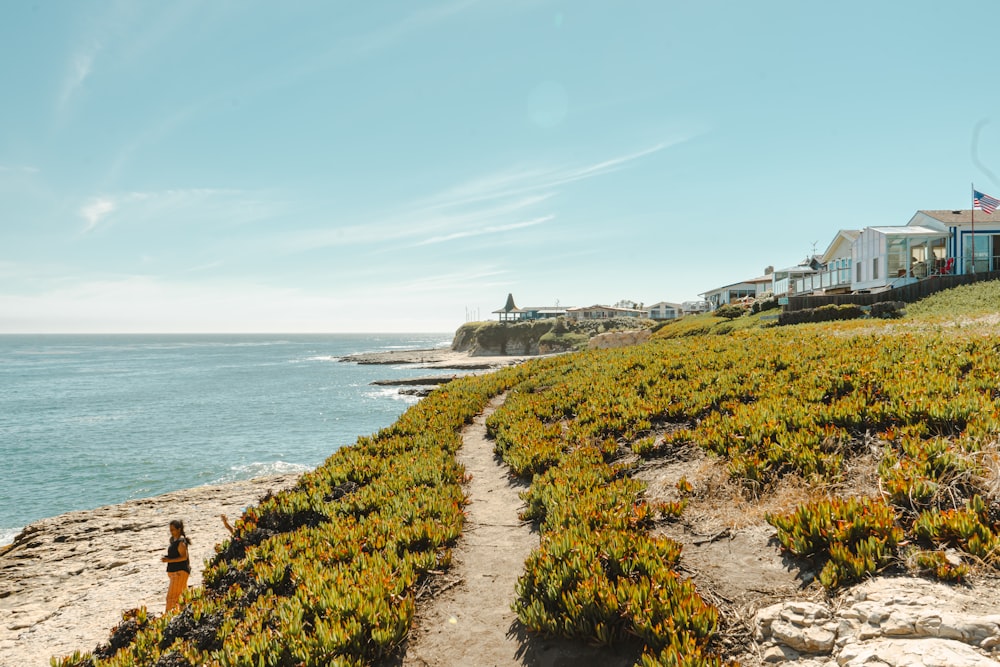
(174, 551)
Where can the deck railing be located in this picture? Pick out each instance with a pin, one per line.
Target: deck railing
(905, 293)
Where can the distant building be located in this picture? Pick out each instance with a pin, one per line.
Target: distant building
(602, 312)
(511, 313)
(737, 292)
(695, 307)
(664, 310)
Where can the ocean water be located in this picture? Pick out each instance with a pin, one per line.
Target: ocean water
(92, 420)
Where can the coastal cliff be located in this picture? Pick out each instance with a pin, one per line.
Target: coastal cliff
(538, 336)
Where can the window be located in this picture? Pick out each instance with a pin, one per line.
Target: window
(895, 258)
(874, 268)
(858, 267)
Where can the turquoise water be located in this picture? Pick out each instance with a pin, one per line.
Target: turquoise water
(93, 420)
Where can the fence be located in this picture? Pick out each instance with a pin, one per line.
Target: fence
(906, 293)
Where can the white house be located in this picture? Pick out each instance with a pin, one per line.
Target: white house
(784, 281)
(665, 310)
(887, 257)
(834, 274)
(966, 228)
(602, 312)
(737, 292)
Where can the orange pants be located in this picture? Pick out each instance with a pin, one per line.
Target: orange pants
(178, 583)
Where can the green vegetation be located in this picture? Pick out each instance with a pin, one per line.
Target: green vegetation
(325, 573)
(558, 334)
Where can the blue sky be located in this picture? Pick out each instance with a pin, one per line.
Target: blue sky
(401, 166)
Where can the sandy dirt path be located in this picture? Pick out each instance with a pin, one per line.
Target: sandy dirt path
(470, 621)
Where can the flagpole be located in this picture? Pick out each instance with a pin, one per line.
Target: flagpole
(973, 235)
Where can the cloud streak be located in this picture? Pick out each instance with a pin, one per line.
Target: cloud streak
(195, 205)
(490, 204)
(78, 70)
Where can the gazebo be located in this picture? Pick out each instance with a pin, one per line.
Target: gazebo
(510, 312)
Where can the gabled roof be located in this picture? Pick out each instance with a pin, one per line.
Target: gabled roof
(844, 235)
(964, 216)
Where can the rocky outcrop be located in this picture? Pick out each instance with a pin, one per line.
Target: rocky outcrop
(618, 339)
(885, 622)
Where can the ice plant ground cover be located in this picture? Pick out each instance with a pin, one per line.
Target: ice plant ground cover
(325, 573)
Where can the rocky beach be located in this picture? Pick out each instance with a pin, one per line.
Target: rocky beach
(65, 581)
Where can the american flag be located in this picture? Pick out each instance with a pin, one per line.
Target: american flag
(984, 202)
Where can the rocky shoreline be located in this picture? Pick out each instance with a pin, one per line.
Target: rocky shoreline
(65, 580)
(437, 358)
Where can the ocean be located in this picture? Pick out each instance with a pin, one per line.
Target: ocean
(93, 420)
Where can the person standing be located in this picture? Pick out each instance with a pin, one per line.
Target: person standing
(178, 565)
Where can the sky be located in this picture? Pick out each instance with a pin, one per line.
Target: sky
(401, 166)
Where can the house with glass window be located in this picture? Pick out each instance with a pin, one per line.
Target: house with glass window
(599, 312)
(833, 273)
(973, 235)
(931, 243)
(736, 293)
(665, 310)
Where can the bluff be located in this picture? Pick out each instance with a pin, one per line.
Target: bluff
(539, 336)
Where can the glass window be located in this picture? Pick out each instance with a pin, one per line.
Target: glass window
(896, 258)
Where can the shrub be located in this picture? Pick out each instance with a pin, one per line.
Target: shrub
(728, 311)
(887, 310)
(830, 313)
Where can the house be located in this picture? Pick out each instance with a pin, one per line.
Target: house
(784, 281)
(893, 256)
(966, 229)
(738, 292)
(602, 312)
(665, 310)
(541, 312)
(931, 243)
(695, 307)
(511, 313)
(834, 275)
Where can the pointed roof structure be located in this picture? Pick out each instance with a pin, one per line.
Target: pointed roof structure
(510, 311)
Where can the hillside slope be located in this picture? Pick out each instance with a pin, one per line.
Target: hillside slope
(681, 489)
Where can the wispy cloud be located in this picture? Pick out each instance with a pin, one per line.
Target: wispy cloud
(422, 19)
(504, 201)
(193, 205)
(18, 169)
(525, 180)
(78, 70)
(96, 210)
(490, 229)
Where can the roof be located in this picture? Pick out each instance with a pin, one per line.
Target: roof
(849, 235)
(509, 307)
(800, 268)
(600, 307)
(911, 230)
(962, 216)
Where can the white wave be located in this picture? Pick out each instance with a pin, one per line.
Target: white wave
(7, 535)
(392, 393)
(260, 469)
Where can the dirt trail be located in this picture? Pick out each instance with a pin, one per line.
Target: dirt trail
(469, 620)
